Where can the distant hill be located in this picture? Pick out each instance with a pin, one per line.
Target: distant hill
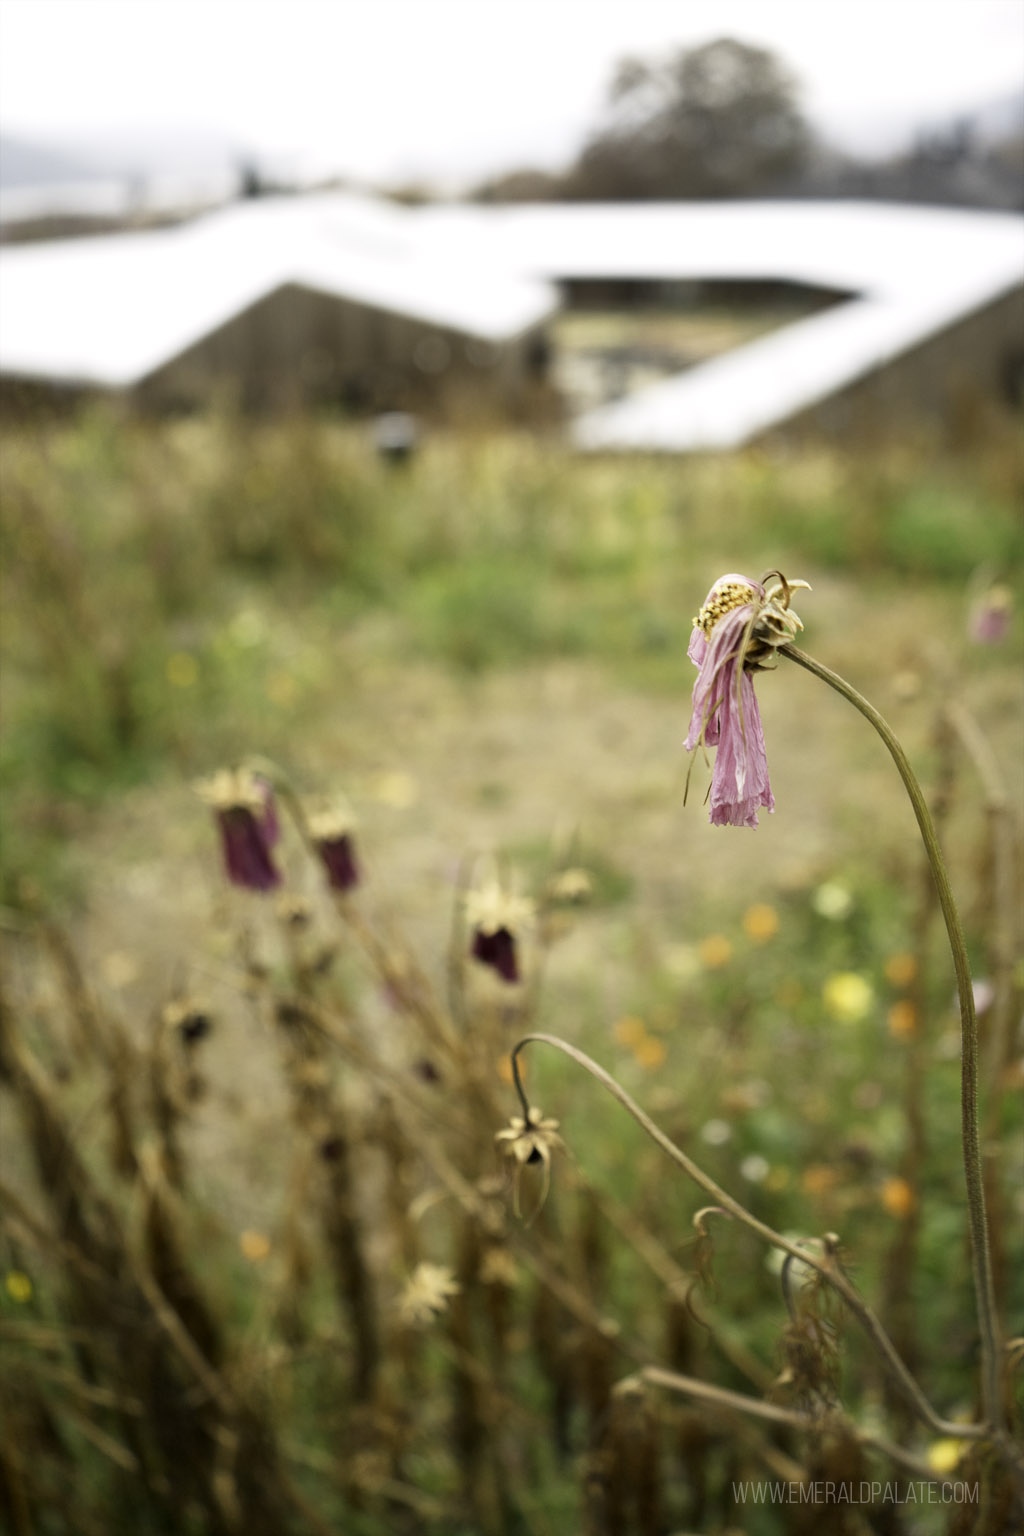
(138, 154)
(24, 163)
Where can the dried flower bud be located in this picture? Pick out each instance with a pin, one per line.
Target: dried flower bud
(497, 918)
(243, 805)
(331, 832)
(189, 1018)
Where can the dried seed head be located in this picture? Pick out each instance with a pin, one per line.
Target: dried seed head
(427, 1293)
(570, 886)
(189, 1018)
(531, 1141)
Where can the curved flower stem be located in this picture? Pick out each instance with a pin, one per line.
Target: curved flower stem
(981, 1259)
(828, 1267)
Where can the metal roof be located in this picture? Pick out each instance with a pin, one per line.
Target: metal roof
(911, 272)
(109, 309)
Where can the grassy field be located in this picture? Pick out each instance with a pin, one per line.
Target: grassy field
(262, 1264)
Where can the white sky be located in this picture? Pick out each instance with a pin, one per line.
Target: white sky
(450, 89)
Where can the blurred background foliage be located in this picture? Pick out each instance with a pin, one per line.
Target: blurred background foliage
(155, 576)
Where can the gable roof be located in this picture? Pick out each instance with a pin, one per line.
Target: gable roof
(109, 310)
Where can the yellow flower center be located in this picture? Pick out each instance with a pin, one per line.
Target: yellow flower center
(729, 595)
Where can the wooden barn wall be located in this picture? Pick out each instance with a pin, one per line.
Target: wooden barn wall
(299, 347)
(978, 362)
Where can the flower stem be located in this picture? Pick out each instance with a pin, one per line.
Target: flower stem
(828, 1265)
(981, 1260)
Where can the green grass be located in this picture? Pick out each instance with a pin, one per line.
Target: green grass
(132, 551)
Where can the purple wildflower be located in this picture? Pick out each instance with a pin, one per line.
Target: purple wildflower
(243, 805)
(734, 633)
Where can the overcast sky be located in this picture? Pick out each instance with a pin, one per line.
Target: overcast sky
(449, 89)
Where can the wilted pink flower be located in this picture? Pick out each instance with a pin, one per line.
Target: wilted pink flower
(243, 804)
(331, 832)
(735, 632)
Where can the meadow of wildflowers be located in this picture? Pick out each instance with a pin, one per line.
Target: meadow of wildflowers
(416, 1118)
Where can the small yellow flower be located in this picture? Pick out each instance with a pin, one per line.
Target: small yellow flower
(902, 1020)
(650, 1052)
(255, 1246)
(570, 885)
(182, 670)
(944, 1456)
(395, 788)
(898, 1197)
(833, 901)
(848, 996)
(682, 961)
(900, 969)
(715, 951)
(819, 1178)
(630, 1031)
(18, 1286)
(505, 1072)
(760, 923)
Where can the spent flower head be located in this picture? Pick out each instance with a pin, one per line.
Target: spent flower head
(529, 1139)
(497, 918)
(331, 831)
(427, 1292)
(739, 627)
(243, 805)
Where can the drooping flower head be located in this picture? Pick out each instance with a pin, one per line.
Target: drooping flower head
(243, 804)
(531, 1138)
(734, 635)
(497, 918)
(331, 833)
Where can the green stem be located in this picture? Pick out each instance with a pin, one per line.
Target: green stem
(981, 1260)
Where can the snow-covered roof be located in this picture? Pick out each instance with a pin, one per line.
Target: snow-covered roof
(911, 272)
(108, 310)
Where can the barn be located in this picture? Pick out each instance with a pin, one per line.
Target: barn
(450, 310)
(910, 309)
(267, 305)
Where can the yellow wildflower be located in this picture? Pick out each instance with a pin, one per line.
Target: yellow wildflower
(898, 1197)
(715, 951)
(760, 923)
(848, 996)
